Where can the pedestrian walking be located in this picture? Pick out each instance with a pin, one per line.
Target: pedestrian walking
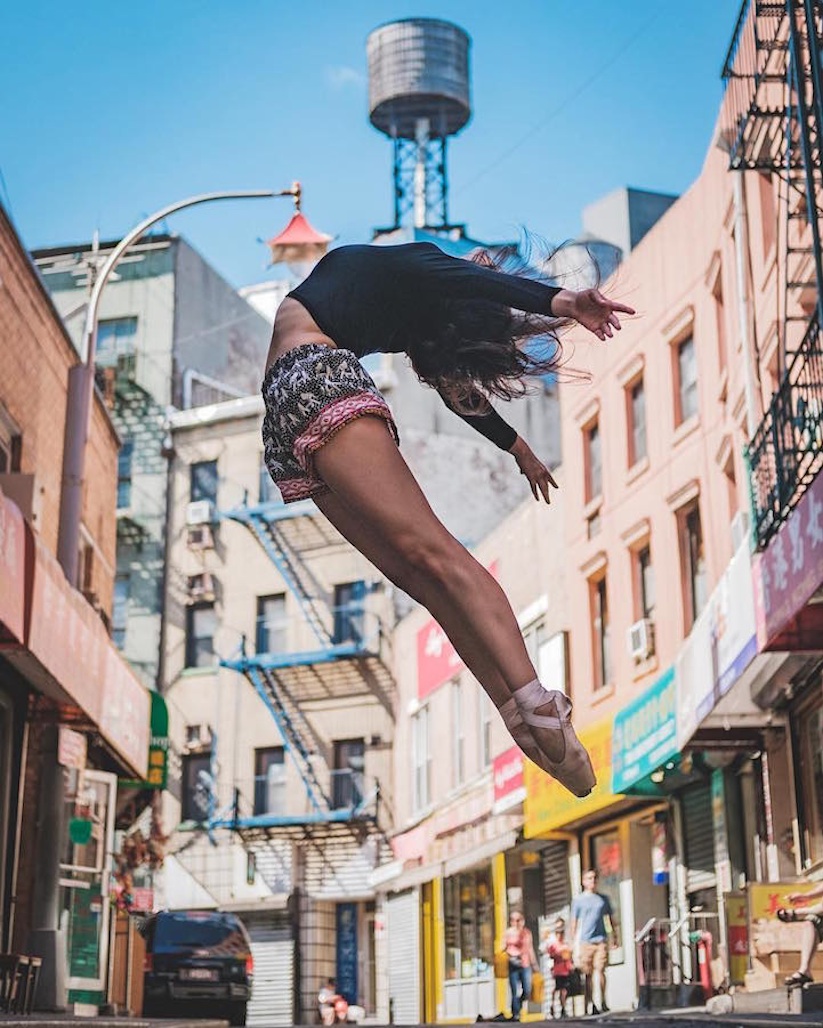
(519, 947)
(591, 925)
(559, 951)
(329, 435)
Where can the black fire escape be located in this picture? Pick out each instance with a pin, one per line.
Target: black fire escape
(774, 106)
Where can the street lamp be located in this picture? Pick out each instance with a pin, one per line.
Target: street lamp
(81, 376)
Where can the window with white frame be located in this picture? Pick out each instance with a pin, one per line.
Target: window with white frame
(458, 733)
(693, 562)
(598, 599)
(421, 760)
(485, 717)
(636, 403)
(686, 380)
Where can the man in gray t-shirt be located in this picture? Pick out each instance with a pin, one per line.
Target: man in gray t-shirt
(591, 926)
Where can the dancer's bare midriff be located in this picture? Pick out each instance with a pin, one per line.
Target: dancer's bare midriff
(294, 326)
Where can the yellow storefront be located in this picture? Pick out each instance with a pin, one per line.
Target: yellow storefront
(613, 833)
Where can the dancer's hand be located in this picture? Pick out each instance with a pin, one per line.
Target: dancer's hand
(592, 310)
(538, 475)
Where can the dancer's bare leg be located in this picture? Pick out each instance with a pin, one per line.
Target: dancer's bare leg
(376, 503)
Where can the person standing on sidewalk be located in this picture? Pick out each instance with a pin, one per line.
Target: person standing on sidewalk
(519, 946)
(591, 925)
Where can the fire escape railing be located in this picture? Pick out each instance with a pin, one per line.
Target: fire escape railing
(786, 452)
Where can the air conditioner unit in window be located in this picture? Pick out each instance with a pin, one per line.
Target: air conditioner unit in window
(200, 512)
(641, 639)
(198, 737)
(200, 537)
(740, 529)
(201, 588)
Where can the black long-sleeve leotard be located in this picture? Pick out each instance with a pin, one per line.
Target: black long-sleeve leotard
(376, 299)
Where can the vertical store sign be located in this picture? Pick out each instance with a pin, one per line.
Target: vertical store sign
(347, 951)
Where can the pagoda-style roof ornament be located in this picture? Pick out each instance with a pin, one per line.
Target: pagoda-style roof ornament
(299, 241)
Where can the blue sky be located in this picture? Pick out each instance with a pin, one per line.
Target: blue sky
(110, 111)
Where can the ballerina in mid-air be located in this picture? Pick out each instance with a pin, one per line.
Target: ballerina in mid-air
(329, 435)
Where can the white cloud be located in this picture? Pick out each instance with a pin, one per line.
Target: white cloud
(342, 77)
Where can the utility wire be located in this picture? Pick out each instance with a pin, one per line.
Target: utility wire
(538, 125)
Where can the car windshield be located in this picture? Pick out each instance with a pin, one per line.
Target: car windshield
(195, 931)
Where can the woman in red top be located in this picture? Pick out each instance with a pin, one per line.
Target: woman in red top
(561, 957)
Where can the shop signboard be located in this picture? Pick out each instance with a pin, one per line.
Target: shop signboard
(509, 783)
(549, 807)
(12, 573)
(437, 660)
(737, 926)
(720, 646)
(347, 951)
(790, 570)
(68, 639)
(769, 935)
(645, 736)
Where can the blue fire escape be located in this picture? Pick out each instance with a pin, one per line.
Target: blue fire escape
(348, 661)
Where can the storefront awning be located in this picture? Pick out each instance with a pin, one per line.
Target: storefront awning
(68, 656)
(549, 807)
(645, 738)
(12, 573)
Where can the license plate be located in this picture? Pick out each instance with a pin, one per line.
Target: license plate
(198, 974)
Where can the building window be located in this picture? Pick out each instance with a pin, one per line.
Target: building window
(720, 320)
(468, 923)
(272, 624)
(600, 632)
(267, 492)
(810, 728)
(197, 787)
(458, 734)
(201, 624)
(693, 561)
(348, 785)
(485, 711)
(686, 380)
(120, 610)
(203, 482)
(593, 462)
(637, 422)
(349, 614)
(645, 582)
(124, 464)
(270, 781)
(421, 760)
(115, 339)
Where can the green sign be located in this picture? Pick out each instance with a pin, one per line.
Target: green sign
(157, 774)
(644, 736)
(86, 908)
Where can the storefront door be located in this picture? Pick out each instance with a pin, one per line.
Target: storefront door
(84, 880)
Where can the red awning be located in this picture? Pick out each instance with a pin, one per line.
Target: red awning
(299, 241)
(12, 573)
(69, 657)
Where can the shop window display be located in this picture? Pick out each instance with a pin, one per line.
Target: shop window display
(607, 858)
(811, 748)
(469, 924)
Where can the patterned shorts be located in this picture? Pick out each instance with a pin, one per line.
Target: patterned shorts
(310, 393)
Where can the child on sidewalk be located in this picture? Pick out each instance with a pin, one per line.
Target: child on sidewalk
(559, 950)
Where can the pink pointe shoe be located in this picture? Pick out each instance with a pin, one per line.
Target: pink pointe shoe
(513, 720)
(563, 755)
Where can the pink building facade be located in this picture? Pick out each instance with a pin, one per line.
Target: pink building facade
(694, 543)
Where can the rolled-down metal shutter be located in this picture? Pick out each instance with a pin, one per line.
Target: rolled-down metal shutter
(698, 836)
(403, 928)
(557, 892)
(272, 945)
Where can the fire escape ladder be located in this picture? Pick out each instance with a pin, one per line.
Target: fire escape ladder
(289, 723)
(295, 572)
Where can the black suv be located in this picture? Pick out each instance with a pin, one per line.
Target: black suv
(197, 959)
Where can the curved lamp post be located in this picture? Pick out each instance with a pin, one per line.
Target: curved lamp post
(81, 378)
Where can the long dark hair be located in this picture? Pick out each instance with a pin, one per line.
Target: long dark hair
(478, 349)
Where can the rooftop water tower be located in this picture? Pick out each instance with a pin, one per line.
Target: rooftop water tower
(418, 97)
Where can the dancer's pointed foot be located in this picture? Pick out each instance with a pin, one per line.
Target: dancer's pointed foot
(547, 717)
(519, 731)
